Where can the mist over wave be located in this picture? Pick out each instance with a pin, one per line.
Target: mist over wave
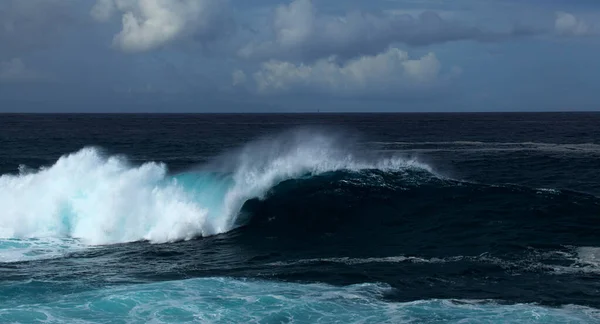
(102, 199)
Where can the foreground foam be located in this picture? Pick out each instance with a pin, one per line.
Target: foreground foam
(105, 200)
(210, 300)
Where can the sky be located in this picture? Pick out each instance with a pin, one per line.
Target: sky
(299, 56)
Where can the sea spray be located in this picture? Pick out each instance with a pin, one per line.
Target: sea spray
(103, 199)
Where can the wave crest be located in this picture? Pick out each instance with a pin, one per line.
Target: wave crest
(104, 199)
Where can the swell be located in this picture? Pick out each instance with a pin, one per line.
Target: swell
(374, 214)
(103, 199)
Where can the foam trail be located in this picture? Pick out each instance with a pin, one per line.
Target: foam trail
(101, 199)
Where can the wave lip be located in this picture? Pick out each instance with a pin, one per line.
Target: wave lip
(261, 165)
(104, 199)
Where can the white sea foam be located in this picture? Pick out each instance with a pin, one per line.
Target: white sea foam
(100, 199)
(584, 259)
(589, 255)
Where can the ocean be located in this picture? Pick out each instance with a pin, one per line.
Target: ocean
(300, 218)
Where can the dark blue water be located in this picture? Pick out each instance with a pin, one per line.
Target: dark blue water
(300, 218)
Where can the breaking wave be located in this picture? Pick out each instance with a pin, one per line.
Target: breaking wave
(100, 199)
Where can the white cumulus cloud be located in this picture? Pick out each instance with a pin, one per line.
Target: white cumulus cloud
(388, 72)
(567, 24)
(150, 24)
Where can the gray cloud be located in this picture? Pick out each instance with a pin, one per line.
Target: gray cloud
(151, 24)
(299, 31)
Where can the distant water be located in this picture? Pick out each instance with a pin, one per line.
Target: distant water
(323, 218)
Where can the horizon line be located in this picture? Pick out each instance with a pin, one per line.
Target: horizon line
(306, 113)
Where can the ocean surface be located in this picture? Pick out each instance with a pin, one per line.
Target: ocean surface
(322, 218)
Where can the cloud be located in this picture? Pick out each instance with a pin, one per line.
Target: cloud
(239, 77)
(389, 72)
(150, 24)
(299, 31)
(15, 71)
(103, 10)
(567, 24)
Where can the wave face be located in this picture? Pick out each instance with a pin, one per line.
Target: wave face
(101, 199)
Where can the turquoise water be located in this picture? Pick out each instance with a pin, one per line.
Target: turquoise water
(223, 300)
